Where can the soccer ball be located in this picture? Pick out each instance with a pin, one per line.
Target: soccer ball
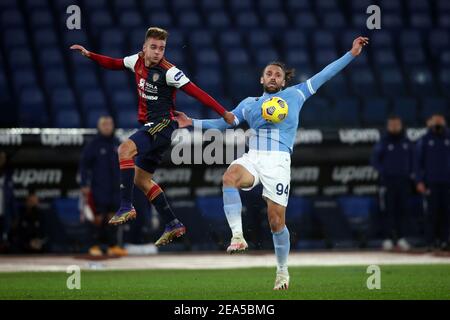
(274, 110)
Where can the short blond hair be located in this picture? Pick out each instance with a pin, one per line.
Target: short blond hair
(156, 33)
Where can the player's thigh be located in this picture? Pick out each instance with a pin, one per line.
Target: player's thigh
(238, 176)
(275, 176)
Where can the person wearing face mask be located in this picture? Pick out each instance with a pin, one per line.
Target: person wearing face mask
(432, 173)
(392, 157)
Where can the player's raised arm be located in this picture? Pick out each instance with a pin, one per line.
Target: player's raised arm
(104, 61)
(315, 82)
(194, 91)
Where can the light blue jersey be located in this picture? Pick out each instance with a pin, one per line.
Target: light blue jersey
(277, 136)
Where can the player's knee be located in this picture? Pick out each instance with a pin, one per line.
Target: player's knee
(229, 179)
(276, 223)
(126, 150)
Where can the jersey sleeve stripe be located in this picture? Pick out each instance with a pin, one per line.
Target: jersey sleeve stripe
(302, 94)
(310, 88)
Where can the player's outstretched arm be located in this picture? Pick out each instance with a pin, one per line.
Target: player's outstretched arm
(194, 91)
(104, 61)
(315, 82)
(184, 121)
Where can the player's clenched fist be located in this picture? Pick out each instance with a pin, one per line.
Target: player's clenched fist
(229, 118)
(358, 44)
(83, 51)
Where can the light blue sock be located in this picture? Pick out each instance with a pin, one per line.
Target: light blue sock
(282, 244)
(232, 206)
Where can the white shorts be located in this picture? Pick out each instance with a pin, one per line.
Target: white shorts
(272, 169)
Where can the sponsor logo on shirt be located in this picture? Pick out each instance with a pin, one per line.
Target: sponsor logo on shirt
(178, 76)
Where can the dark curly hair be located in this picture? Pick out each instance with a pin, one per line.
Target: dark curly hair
(289, 73)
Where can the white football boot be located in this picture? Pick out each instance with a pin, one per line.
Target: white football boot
(237, 245)
(281, 281)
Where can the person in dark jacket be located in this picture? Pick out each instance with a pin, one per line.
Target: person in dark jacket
(432, 174)
(393, 159)
(8, 204)
(99, 175)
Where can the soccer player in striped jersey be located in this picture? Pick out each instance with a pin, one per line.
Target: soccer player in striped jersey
(157, 81)
(268, 160)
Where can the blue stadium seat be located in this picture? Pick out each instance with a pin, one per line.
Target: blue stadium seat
(294, 39)
(130, 19)
(32, 111)
(421, 81)
(419, 6)
(421, 21)
(23, 78)
(182, 5)
(326, 5)
(8, 4)
(333, 20)
(392, 82)
(45, 37)
(154, 5)
(93, 99)
(244, 82)
(177, 58)
(51, 57)
(212, 5)
(324, 57)
(346, 113)
(357, 210)
(67, 119)
(247, 20)
(63, 99)
(218, 20)
(258, 39)
(207, 57)
(12, 18)
(434, 105)
(95, 4)
(363, 83)
(313, 111)
(85, 79)
(224, 101)
(444, 21)
(13, 38)
(276, 19)
(413, 57)
(295, 57)
(55, 78)
(99, 20)
(190, 20)
(323, 39)
(392, 21)
(201, 39)
(407, 109)
(122, 5)
(337, 88)
(236, 56)
(229, 39)
(443, 6)
(126, 119)
(113, 37)
(444, 59)
(375, 111)
(382, 39)
(114, 81)
(124, 100)
(384, 57)
(20, 58)
(240, 5)
(439, 40)
(160, 18)
(41, 18)
(71, 37)
(264, 56)
(411, 39)
(305, 20)
(391, 6)
(444, 79)
(92, 116)
(298, 5)
(189, 105)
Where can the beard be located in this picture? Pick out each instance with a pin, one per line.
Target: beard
(272, 88)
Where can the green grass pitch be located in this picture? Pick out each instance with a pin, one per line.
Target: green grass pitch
(397, 282)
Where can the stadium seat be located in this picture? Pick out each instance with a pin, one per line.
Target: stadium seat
(413, 57)
(323, 39)
(32, 111)
(411, 39)
(12, 18)
(244, 81)
(160, 18)
(444, 78)
(20, 58)
(247, 20)
(363, 83)
(375, 111)
(294, 39)
(45, 37)
(210, 81)
(346, 113)
(41, 18)
(407, 109)
(229, 39)
(13, 38)
(276, 19)
(264, 56)
(357, 210)
(85, 79)
(392, 82)
(55, 78)
(312, 114)
(421, 81)
(298, 5)
(337, 88)
(434, 105)
(438, 40)
(384, 58)
(190, 20)
(237, 56)
(218, 20)
(93, 99)
(23, 78)
(130, 19)
(201, 39)
(99, 20)
(51, 57)
(154, 5)
(382, 39)
(324, 57)
(212, 5)
(333, 20)
(67, 119)
(92, 116)
(305, 20)
(114, 81)
(63, 99)
(189, 105)
(126, 119)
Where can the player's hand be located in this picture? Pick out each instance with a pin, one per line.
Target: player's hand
(229, 118)
(358, 44)
(421, 188)
(83, 51)
(182, 119)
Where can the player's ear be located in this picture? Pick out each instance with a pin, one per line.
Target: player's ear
(283, 83)
(261, 80)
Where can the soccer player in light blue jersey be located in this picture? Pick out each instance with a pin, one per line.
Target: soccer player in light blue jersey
(268, 160)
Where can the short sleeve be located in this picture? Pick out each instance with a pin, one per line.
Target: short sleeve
(130, 61)
(176, 78)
